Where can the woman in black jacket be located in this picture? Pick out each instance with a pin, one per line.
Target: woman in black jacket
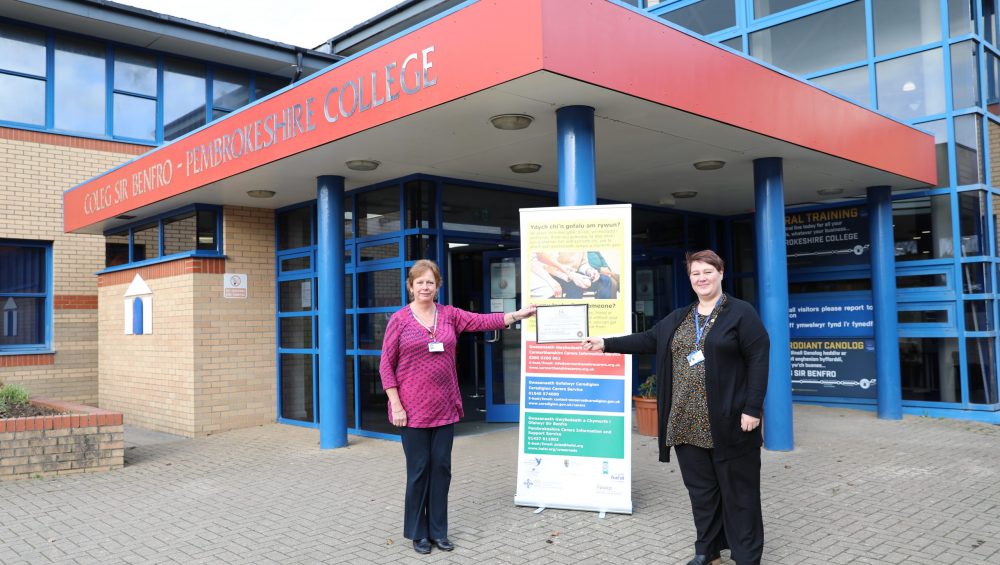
(711, 375)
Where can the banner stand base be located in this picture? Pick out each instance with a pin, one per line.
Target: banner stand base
(539, 509)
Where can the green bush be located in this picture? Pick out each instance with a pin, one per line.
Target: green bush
(13, 396)
(648, 387)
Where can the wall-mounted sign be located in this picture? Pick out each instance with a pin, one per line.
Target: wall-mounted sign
(838, 317)
(822, 238)
(234, 286)
(833, 367)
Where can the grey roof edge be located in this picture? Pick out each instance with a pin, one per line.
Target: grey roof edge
(155, 21)
(407, 12)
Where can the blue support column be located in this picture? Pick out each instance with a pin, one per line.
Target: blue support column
(577, 180)
(772, 278)
(330, 275)
(883, 257)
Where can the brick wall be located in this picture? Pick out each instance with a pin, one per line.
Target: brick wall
(81, 440)
(209, 364)
(35, 169)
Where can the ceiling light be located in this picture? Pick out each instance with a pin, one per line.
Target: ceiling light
(684, 194)
(362, 164)
(830, 191)
(909, 86)
(525, 167)
(709, 165)
(511, 121)
(261, 193)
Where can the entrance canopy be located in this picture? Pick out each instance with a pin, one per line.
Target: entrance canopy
(421, 103)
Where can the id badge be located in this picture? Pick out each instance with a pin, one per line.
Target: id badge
(435, 347)
(695, 358)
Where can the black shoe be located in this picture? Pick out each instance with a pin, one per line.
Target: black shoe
(713, 559)
(444, 544)
(422, 546)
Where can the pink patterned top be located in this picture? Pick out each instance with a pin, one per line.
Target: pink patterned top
(428, 382)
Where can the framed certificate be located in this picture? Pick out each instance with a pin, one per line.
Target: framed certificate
(563, 323)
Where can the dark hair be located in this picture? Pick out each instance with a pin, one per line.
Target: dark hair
(705, 256)
(420, 267)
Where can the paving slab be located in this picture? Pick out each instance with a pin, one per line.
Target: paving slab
(855, 490)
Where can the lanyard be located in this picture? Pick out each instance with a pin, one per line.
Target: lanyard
(431, 329)
(698, 329)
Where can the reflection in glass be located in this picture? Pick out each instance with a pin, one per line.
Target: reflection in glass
(932, 280)
(264, 85)
(981, 366)
(968, 140)
(763, 8)
(348, 217)
(349, 292)
(979, 315)
(134, 117)
(295, 228)
(911, 86)
(371, 329)
(297, 386)
(378, 252)
(744, 247)
(972, 222)
(116, 249)
(349, 331)
(135, 72)
(22, 50)
(380, 288)
(296, 264)
(929, 369)
(374, 409)
(349, 413)
(820, 41)
(378, 211)
(922, 228)
(852, 84)
(146, 243)
(24, 100)
(964, 75)
(419, 195)
(976, 278)
(901, 24)
(655, 228)
(705, 17)
(735, 43)
(990, 20)
(230, 89)
(80, 85)
(992, 83)
(295, 296)
(923, 317)
(184, 97)
(421, 247)
(29, 321)
(961, 17)
(482, 210)
(296, 332)
(939, 129)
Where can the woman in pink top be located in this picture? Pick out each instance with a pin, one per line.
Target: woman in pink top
(419, 377)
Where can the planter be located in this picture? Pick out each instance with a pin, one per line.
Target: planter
(83, 439)
(646, 415)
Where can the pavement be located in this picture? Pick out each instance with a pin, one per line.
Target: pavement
(854, 490)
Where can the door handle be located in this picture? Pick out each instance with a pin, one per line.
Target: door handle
(493, 336)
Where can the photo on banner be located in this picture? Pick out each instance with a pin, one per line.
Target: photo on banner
(574, 441)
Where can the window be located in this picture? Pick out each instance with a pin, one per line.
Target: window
(24, 296)
(80, 86)
(230, 90)
(964, 75)
(185, 232)
(22, 75)
(911, 86)
(135, 95)
(852, 84)
(922, 228)
(763, 8)
(968, 157)
(820, 41)
(901, 24)
(929, 369)
(939, 129)
(961, 17)
(704, 17)
(184, 98)
(972, 222)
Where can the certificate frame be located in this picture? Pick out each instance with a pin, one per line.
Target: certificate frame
(561, 323)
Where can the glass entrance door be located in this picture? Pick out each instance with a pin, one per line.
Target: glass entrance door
(654, 297)
(502, 286)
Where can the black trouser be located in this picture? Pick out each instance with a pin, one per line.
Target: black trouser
(725, 500)
(428, 478)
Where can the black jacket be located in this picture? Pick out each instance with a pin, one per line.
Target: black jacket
(737, 353)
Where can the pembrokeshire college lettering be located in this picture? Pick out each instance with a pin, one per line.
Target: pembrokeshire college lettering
(293, 119)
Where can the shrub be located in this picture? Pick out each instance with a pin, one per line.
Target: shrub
(648, 387)
(13, 396)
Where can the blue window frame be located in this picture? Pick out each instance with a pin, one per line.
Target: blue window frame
(71, 83)
(192, 231)
(25, 296)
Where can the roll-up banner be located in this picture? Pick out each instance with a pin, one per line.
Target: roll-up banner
(575, 437)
